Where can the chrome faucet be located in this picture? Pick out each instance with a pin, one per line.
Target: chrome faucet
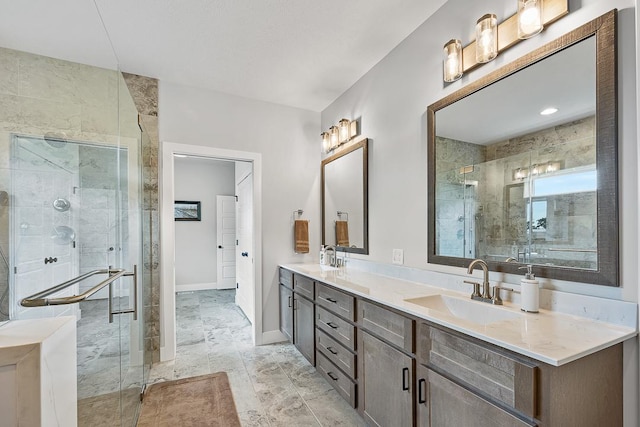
(486, 290)
(332, 258)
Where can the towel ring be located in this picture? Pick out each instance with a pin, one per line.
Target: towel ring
(341, 214)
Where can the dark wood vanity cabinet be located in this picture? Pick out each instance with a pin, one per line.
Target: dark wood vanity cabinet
(386, 366)
(398, 370)
(297, 312)
(336, 340)
(286, 303)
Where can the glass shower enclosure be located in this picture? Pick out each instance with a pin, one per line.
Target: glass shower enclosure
(70, 197)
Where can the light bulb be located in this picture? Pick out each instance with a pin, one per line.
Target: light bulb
(529, 18)
(452, 60)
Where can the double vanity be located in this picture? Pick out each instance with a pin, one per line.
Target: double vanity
(405, 353)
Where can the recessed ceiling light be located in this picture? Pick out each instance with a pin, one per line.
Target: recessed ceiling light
(548, 111)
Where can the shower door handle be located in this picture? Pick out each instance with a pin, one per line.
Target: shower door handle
(133, 310)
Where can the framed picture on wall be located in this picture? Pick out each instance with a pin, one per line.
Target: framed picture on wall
(186, 211)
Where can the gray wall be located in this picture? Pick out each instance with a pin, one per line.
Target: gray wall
(289, 141)
(392, 98)
(196, 241)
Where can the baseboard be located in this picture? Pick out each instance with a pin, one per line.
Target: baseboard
(271, 337)
(195, 287)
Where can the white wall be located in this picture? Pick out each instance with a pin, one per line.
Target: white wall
(392, 98)
(287, 138)
(196, 241)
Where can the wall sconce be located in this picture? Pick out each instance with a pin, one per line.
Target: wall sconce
(529, 18)
(493, 38)
(339, 134)
(452, 60)
(486, 38)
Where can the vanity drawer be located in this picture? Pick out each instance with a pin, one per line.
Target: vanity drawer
(336, 327)
(506, 379)
(336, 301)
(342, 383)
(303, 285)
(336, 353)
(286, 278)
(386, 324)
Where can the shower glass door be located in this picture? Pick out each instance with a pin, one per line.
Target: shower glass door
(70, 204)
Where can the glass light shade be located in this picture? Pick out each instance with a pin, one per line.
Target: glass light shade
(452, 60)
(335, 136)
(486, 38)
(326, 142)
(345, 135)
(529, 18)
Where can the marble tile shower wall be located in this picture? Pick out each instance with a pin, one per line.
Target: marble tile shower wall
(572, 144)
(144, 91)
(41, 95)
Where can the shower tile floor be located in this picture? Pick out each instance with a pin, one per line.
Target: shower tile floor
(273, 385)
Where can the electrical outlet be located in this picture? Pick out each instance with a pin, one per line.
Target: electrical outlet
(398, 256)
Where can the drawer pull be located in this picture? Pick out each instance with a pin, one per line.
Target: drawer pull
(289, 301)
(405, 379)
(332, 300)
(332, 376)
(332, 350)
(332, 325)
(422, 383)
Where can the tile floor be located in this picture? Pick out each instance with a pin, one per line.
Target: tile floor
(273, 385)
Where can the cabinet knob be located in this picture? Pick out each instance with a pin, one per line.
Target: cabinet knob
(219, 246)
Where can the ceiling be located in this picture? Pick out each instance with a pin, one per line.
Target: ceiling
(300, 53)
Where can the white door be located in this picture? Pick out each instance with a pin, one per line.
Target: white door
(244, 251)
(226, 231)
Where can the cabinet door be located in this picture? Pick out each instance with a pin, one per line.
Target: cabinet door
(453, 405)
(286, 312)
(386, 383)
(304, 327)
(422, 396)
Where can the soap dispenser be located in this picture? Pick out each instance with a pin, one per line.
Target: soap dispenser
(323, 259)
(529, 291)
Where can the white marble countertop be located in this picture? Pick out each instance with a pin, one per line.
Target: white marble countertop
(16, 333)
(547, 336)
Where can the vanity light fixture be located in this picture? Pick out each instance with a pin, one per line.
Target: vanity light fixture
(486, 38)
(548, 111)
(452, 60)
(339, 134)
(519, 174)
(529, 18)
(493, 38)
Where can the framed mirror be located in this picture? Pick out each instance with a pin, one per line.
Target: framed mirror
(345, 209)
(522, 164)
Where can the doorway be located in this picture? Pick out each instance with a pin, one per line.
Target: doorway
(168, 238)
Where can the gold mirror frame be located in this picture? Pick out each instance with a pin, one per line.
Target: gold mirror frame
(607, 273)
(363, 144)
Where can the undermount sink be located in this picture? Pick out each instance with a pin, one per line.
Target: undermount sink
(471, 311)
(317, 268)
